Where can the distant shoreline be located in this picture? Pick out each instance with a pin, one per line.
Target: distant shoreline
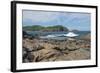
(49, 28)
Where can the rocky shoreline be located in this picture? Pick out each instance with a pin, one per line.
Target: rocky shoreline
(39, 50)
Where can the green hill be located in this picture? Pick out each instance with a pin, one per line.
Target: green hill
(42, 28)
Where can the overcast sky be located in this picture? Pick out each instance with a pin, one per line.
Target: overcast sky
(71, 20)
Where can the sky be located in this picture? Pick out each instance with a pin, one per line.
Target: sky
(71, 20)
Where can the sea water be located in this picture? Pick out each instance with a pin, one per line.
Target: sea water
(59, 35)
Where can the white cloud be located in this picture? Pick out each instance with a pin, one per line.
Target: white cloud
(45, 16)
(40, 16)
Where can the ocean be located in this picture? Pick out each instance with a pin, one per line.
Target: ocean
(45, 34)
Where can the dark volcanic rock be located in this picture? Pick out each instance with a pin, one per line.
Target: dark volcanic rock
(27, 55)
(26, 35)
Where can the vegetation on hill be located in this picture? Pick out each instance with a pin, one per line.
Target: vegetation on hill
(42, 28)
